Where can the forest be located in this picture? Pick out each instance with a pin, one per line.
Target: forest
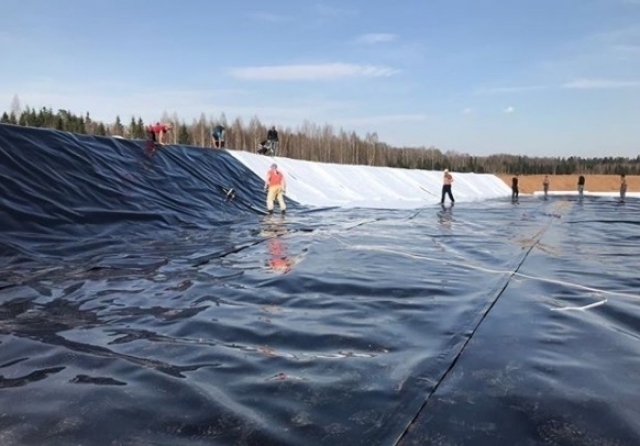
(325, 143)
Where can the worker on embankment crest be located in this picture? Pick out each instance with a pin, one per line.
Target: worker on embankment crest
(155, 136)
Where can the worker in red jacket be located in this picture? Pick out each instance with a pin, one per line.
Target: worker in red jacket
(157, 131)
(155, 135)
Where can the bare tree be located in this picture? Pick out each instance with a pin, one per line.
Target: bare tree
(256, 131)
(310, 141)
(16, 108)
(202, 131)
(236, 135)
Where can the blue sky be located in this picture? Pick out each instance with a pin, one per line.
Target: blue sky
(535, 77)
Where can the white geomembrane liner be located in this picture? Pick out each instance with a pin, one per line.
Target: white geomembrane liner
(324, 184)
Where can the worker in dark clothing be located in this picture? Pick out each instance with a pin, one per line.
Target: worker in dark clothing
(218, 136)
(581, 186)
(545, 186)
(514, 189)
(446, 187)
(263, 147)
(272, 139)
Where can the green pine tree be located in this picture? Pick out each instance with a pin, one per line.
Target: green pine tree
(101, 130)
(140, 128)
(183, 135)
(59, 123)
(118, 128)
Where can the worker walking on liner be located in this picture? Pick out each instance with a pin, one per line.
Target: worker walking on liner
(623, 187)
(545, 186)
(581, 182)
(515, 191)
(276, 187)
(446, 187)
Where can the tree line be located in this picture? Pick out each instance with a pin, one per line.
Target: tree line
(313, 142)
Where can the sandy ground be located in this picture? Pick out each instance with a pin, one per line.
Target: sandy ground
(593, 183)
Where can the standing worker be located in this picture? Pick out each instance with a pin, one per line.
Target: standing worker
(514, 189)
(446, 187)
(545, 186)
(272, 139)
(623, 187)
(276, 187)
(581, 182)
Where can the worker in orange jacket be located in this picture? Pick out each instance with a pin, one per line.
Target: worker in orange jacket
(276, 187)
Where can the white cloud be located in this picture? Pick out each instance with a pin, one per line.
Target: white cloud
(105, 101)
(270, 17)
(329, 71)
(373, 38)
(467, 111)
(509, 110)
(500, 90)
(587, 84)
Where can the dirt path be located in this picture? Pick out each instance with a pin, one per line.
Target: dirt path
(594, 183)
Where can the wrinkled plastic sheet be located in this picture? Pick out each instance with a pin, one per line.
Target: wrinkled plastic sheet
(476, 326)
(481, 324)
(59, 184)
